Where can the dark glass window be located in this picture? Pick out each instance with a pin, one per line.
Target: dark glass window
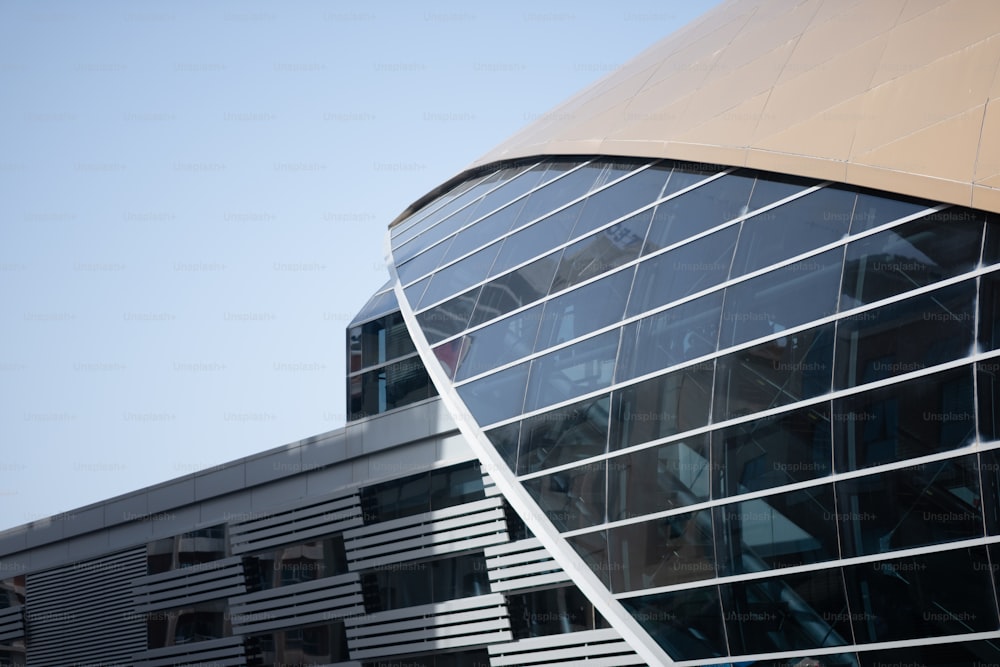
(568, 372)
(564, 435)
(661, 552)
(989, 312)
(687, 624)
(392, 386)
(556, 193)
(769, 188)
(991, 245)
(552, 612)
(906, 336)
(989, 471)
(496, 397)
(298, 563)
(784, 298)
(915, 254)
(475, 658)
(930, 414)
(774, 373)
(877, 208)
(460, 276)
(670, 337)
(683, 271)
(495, 344)
(783, 530)
(423, 492)
(382, 340)
(787, 613)
(772, 451)
(659, 478)
(585, 309)
(910, 507)
(12, 591)
(449, 318)
(422, 264)
(593, 549)
(953, 654)
(698, 210)
(791, 229)
(988, 389)
(921, 596)
(623, 197)
(537, 239)
(661, 406)
(504, 439)
(186, 550)
(310, 645)
(409, 584)
(515, 289)
(572, 498)
(192, 623)
(602, 252)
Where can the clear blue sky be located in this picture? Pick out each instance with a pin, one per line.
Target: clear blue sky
(193, 204)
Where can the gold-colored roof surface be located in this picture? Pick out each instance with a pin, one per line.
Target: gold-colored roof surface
(899, 95)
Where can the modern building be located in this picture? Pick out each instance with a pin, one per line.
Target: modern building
(699, 369)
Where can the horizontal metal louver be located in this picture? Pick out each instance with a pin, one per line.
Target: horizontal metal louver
(198, 583)
(299, 604)
(11, 624)
(225, 652)
(594, 648)
(82, 613)
(468, 526)
(522, 564)
(298, 524)
(479, 620)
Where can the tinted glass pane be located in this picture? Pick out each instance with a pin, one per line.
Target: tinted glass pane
(515, 289)
(907, 336)
(602, 252)
(921, 596)
(769, 188)
(488, 229)
(449, 318)
(496, 397)
(460, 196)
(572, 371)
(670, 337)
(661, 552)
(683, 271)
(460, 275)
(593, 549)
(781, 299)
(422, 264)
(698, 210)
(585, 309)
(551, 612)
(787, 613)
(783, 530)
(686, 174)
(934, 413)
(572, 498)
(773, 451)
(989, 470)
(510, 190)
(504, 440)
(423, 217)
(456, 485)
(874, 209)
(773, 374)
(991, 246)
(623, 197)
(658, 478)
(988, 389)
(989, 312)
(536, 239)
(661, 406)
(497, 343)
(930, 504)
(558, 193)
(956, 654)
(808, 222)
(564, 435)
(912, 255)
(687, 624)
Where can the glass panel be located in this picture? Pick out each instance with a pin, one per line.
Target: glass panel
(297, 563)
(787, 613)
(907, 336)
(413, 293)
(558, 193)
(813, 660)
(989, 471)
(552, 612)
(698, 210)
(991, 246)
(784, 298)
(384, 301)
(623, 197)
(769, 188)
(923, 416)
(988, 389)
(930, 504)
(878, 208)
(670, 337)
(808, 222)
(658, 478)
(585, 309)
(686, 174)
(496, 397)
(955, 654)
(499, 343)
(683, 271)
(662, 406)
(602, 252)
(449, 318)
(922, 596)
(918, 253)
(564, 435)
(661, 552)
(773, 374)
(406, 382)
(422, 264)
(460, 196)
(421, 218)
(571, 498)
(504, 439)
(537, 239)
(460, 275)
(571, 371)
(515, 289)
(773, 451)
(593, 549)
(783, 530)
(687, 624)
(989, 312)
(456, 485)
(382, 340)
(514, 183)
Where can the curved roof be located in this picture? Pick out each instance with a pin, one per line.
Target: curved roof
(899, 95)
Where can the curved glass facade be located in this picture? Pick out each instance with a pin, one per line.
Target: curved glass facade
(760, 408)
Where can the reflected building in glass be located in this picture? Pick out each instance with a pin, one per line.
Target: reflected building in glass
(700, 368)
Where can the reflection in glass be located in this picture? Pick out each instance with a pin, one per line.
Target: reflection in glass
(634, 192)
(661, 552)
(593, 549)
(658, 478)
(929, 414)
(515, 289)
(552, 612)
(410, 584)
(989, 311)
(585, 309)
(774, 373)
(603, 251)
(572, 371)
(952, 654)
(447, 319)
(906, 336)
(311, 645)
(988, 390)
(538, 238)
(572, 498)
(460, 275)
(877, 208)
(687, 624)
(197, 547)
(930, 504)
(559, 193)
(191, 623)
(772, 451)
(496, 397)
(298, 563)
(495, 344)
(782, 530)
(423, 492)
(670, 337)
(770, 187)
(566, 434)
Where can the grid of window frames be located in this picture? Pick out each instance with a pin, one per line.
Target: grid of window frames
(711, 380)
